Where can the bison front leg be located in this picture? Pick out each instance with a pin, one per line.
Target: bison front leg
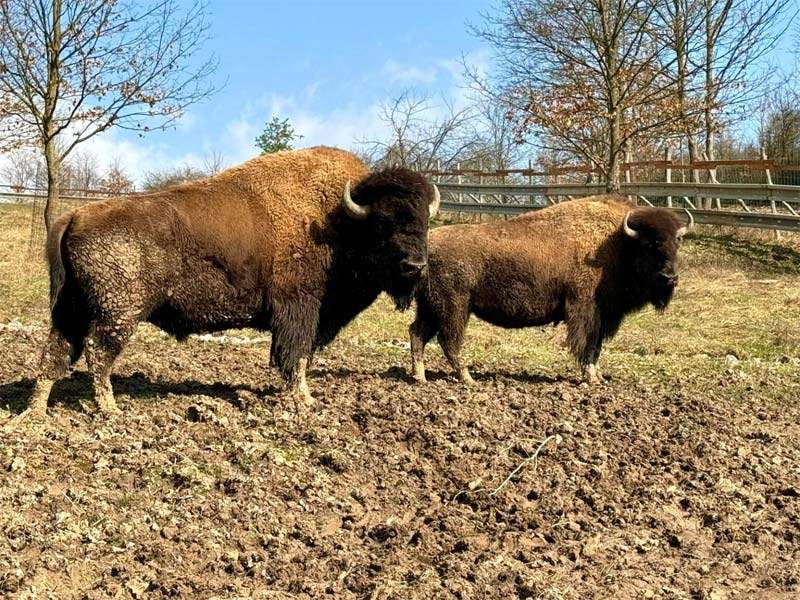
(420, 332)
(294, 329)
(585, 337)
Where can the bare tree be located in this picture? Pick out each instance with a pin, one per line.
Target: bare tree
(116, 181)
(737, 35)
(496, 144)
(85, 173)
(70, 69)
(20, 172)
(421, 133)
(213, 163)
(779, 130)
(171, 176)
(585, 76)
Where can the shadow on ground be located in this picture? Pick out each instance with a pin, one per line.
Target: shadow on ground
(774, 258)
(73, 390)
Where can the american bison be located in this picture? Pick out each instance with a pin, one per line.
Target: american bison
(587, 262)
(297, 243)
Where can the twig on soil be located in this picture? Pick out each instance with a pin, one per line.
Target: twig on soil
(532, 457)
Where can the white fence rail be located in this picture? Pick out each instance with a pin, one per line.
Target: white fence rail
(471, 198)
(782, 201)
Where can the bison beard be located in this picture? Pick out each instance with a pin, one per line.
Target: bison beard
(277, 244)
(586, 262)
(402, 291)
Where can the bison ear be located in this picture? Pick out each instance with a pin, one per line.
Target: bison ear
(629, 231)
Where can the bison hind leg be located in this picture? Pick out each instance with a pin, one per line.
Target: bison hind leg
(57, 356)
(451, 338)
(107, 338)
(63, 348)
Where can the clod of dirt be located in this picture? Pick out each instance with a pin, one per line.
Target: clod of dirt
(17, 464)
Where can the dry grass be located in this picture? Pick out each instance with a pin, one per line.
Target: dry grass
(738, 302)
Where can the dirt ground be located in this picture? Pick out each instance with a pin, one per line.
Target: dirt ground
(677, 477)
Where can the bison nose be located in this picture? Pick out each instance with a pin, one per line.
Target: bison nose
(413, 266)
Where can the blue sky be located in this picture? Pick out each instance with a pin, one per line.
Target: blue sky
(326, 65)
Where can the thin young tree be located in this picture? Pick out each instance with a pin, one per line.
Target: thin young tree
(278, 135)
(71, 69)
(682, 21)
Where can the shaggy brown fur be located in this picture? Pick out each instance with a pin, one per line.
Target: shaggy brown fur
(571, 262)
(266, 244)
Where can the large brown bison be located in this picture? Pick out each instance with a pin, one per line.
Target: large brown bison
(297, 243)
(587, 262)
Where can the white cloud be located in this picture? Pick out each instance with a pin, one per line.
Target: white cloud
(343, 127)
(395, 72)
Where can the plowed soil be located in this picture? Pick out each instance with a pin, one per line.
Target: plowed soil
(677, 477)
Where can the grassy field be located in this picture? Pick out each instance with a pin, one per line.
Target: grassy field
(677, 477)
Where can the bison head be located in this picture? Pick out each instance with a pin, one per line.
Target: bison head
(389, 211)
(652, 239)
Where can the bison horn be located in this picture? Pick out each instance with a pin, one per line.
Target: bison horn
(351, 208)
(629, 231)
(433, 208)
(685, 229)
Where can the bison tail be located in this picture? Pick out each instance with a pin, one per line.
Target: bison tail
(55, 256)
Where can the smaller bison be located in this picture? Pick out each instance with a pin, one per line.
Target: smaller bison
(587, 262)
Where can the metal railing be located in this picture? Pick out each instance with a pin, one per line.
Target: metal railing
(782, 201)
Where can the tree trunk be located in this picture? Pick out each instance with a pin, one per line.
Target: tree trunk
(708, 100)
(51, 153)
(53, 175)
(614, 148)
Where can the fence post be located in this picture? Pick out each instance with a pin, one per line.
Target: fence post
(668, 170)
(628, 173)
(479, 197)
(458, 180)
(768, 176)
(712, 174)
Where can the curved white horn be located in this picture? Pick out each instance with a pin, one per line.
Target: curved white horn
(629, 231)
(685, 229)
(433, 207)
(351, 208)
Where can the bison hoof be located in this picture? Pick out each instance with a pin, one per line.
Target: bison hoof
(107, 405)
(465, 377)
(302, 396)
(591, 374)
(418, 373)
(33, 414)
